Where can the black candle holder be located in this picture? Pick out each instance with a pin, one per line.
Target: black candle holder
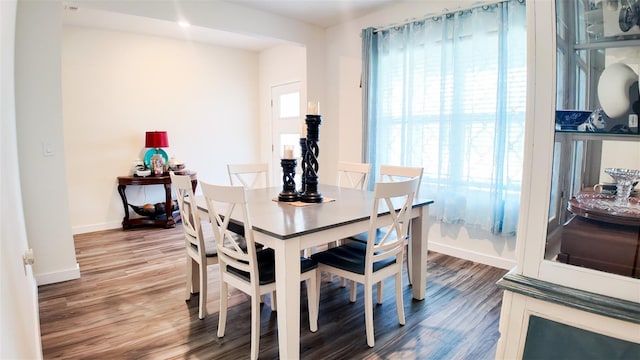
(303, 166)
(288, 193)
(310, 160)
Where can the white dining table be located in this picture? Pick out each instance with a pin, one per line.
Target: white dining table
(288, 229)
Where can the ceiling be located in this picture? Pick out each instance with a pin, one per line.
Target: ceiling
(142, 25)
(322, 13)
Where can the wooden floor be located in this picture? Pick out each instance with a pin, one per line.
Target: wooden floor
(129, 304)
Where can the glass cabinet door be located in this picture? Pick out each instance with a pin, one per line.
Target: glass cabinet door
(594, 212)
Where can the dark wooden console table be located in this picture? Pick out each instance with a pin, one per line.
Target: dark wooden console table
(164, 180)
(601, 238)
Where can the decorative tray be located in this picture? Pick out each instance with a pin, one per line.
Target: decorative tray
(602, 207)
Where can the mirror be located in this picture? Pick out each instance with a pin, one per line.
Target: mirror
(592, 223)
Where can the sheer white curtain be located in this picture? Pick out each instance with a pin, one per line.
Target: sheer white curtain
(448, 94)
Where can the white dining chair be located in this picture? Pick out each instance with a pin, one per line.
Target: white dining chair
(353, 174)
(201, 252)
(394, 172)
(244, 268)
(251, 176)
(372, 262)
(391, 173)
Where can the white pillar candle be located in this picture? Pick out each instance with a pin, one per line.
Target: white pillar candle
(303, 129)
(313, 108)
(288, 152)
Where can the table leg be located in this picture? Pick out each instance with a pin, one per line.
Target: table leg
(194, 185)
(168, 205)
(125, 204)
(288, 297)
(419, 244)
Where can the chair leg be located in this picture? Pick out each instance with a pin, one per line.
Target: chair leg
(368, 314)
(399, 301)
(312, 299)
(189, 278)
(379, 297)
(202, 312)
(274, 301)
(195, 277)
(352, 291)
(255, 326)
(222, 314)
(409, 263)
(318, 283)
(343, 281)
(307, 252)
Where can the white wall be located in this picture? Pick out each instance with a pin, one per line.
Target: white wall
(619, 154)
(344, 104)
(39, 125)
(230, 17)
(20, 324)
(279, 65)
(118, 85)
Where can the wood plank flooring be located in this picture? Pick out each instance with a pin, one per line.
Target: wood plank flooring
(129, 304)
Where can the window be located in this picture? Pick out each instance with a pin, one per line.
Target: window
(449, 94)
(290, 105)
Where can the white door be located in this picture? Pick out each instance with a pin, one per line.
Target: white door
(20, 325)
(286, 125)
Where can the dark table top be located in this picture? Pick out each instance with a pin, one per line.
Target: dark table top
(283, 220)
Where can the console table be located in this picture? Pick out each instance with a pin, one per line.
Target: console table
(164, 180)
(602, 235)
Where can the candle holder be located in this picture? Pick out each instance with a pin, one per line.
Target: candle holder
(310, 161)
(288, 193)
(303, 166)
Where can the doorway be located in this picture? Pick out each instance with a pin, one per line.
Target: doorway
(286, 125)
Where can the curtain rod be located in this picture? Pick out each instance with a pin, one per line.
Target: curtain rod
(444, 11)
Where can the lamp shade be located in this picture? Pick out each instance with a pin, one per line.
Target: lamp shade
(156, 139)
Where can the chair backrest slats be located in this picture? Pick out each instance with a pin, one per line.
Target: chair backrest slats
(251, 176)
(233, 249)
(183, 190)
(353, 175)
(397, 199)
(395, 173)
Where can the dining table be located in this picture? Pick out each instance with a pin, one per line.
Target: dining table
(290, 227)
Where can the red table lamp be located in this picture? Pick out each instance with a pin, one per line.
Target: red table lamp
(156, 158)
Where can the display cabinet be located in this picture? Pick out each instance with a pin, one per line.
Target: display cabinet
(575, 291)
(592, 223)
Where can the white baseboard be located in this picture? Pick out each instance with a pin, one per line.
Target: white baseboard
(495, 261)
(96, 227)
(58, 276)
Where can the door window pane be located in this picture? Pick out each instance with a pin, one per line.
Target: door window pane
(290, 105)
